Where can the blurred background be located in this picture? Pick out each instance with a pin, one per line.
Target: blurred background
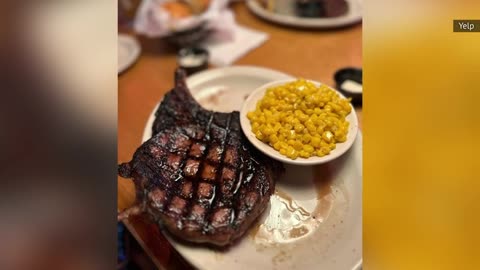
(58, 130)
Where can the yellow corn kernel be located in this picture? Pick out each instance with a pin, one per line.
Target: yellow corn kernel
(297, 145)
(327, 136)
(299, 128)
(277, 127)
(316, 142)
(332, 146)
(323, 144)
(277, 146)
(325, 150)
(273, 138)
(320, 130)
(284, 144)
(303, 118)
(304, 154)
(310, 126)
(320, 153)
(309, 111)
(261, 119)
(306, 138)
(292, 135)
(308, 148)
(267, 130)
(292, 153)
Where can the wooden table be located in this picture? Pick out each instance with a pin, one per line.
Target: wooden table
(303, 53)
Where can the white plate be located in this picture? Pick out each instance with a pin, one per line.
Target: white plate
(250, 105)
(353, 15)
(128, 51)
(287, 236)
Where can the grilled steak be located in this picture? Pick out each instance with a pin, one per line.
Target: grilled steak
(198, 175)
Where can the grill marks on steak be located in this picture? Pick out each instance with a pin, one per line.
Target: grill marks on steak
(198, 175)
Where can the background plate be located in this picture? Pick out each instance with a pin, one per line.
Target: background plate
(353, 15)
(314, 220)
(128, 51)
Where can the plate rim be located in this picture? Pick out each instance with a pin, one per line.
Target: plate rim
(309, 23)
(133, 55)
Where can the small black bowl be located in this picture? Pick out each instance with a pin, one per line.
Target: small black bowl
(193, 59)
(354, 75)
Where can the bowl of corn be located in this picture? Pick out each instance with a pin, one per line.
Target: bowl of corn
(298, 121)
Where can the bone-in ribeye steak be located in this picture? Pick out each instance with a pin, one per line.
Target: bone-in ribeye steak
(198, 175)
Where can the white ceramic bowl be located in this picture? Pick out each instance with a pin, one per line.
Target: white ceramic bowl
(251, 102)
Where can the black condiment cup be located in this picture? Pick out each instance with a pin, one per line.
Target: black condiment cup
(193, 59)
(353, 74)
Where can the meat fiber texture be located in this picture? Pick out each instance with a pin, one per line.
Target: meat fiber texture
(198, 176)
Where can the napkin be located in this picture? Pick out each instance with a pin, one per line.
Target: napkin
(241, 40)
